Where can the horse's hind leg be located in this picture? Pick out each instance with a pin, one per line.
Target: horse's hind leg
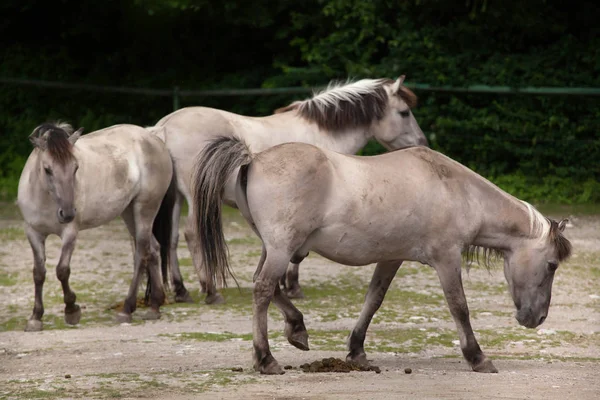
(145, 257)
(181, 293)
(265, 284)
(63, 271)
(380, 283)
(449, 273)
(38, 246)
(291, 282)
(295, 330)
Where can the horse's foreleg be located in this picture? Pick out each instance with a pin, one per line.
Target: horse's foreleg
(38, 246)
(193, 242)
(63, 271)
(181, 293)
(295, 331)
(264, 290)
(450, 278)
(380, 283)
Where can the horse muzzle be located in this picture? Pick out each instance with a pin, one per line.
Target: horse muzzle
(65, 215)
(527, 318)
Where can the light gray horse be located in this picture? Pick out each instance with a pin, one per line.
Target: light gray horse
(70, 184)
(342, 118)
(412, 204)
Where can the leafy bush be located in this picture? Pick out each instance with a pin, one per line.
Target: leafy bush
(537, 147)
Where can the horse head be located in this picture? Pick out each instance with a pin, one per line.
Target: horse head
(398, 127)
(58, 165)
(529, 270)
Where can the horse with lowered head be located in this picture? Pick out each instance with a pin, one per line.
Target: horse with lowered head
(412, 204)
(71, 183)
(342, 118)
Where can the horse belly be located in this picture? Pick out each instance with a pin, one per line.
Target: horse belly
(354, 246)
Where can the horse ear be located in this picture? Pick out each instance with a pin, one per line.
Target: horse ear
(562, 225)
(37, 140)
(73, 138)
(397, 84)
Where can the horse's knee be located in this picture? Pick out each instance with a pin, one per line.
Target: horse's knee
(39, 275)
(63, 272)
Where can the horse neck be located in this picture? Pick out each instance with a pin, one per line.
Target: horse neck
(505, 220)
(290, 127)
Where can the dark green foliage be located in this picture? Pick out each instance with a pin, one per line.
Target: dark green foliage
(540, 148)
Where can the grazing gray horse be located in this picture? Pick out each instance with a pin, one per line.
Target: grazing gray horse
(70, 184)
(342, 118)
(413, 204)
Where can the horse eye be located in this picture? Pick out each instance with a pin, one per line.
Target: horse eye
(552, 266)
(404, 114)
(48, 171)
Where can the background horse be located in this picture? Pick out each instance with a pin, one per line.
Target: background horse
(342, 118)
(70, 184)
(412, 204)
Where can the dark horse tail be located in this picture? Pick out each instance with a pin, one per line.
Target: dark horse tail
(162, 229)
(214, 166)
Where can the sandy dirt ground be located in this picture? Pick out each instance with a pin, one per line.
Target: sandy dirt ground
(201, 351)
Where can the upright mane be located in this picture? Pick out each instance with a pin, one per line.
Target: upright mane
(349, 104)
(540, 227)
(56, 135)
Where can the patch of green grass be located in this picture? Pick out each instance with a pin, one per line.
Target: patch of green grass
(485, 287)
(595, 272)
(253, 254)
(246, 240)
(410, 340)
(186, 262)
(12, 233)
(8, 279)
(41, 394)
(13, 324)
(208, 337)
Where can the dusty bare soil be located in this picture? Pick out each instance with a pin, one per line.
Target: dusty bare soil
(200, 351)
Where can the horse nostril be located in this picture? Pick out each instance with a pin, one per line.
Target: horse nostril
(61, 213)
(542, 319)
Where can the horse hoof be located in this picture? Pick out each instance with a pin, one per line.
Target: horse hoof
(73, 317)
(485, 366)
(123, 318)
(298, 339)
(295, 293)
(151, 315)
(360, 358)
(184, 298)
(270, 368)
(33, 325)
(216, 298)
